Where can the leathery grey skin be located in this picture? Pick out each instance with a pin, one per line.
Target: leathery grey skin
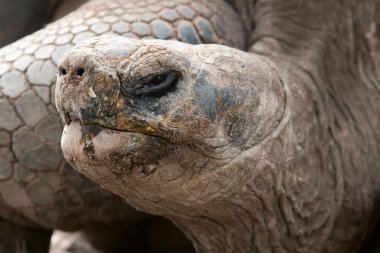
(39, 191)
(271, 150)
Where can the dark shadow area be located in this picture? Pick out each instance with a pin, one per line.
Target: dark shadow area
(373, 243)
(22, 17)
(19, 18)
(164, 237)
(151, 235)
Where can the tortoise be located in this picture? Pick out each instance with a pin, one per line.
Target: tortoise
(274, 148)
(39, 191)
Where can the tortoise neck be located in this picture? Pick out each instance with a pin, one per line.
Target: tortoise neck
(245, 9)
(215, 235)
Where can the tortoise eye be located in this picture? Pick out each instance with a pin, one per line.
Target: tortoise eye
(158, 80)
(151, 85)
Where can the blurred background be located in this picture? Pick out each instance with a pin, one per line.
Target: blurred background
(16, 22)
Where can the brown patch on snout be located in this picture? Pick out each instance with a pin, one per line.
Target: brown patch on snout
(89, 132)
(89, 149)
(88, 145)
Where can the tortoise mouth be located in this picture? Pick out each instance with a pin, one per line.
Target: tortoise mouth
(94, 147)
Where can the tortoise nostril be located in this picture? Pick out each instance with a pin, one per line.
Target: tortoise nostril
(79, 71)
(62, 71)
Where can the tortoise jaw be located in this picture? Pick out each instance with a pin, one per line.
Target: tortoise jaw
(101, 153)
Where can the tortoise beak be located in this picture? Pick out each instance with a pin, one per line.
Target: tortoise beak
(102, 152)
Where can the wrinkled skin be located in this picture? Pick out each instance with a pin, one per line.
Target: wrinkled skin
(142, 146)
(39, 191)
(274, 150)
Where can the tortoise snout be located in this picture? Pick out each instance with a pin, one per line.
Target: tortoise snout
(87, 87)
(69, 70)
(75, 65)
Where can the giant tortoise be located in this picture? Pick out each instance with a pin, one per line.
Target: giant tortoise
(39, 191)
(271, 149)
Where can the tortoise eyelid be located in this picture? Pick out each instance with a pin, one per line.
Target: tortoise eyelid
(151, 85)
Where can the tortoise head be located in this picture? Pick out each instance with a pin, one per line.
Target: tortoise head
(163, 121)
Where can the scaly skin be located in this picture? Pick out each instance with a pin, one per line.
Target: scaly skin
(38, 188)
(271, 150)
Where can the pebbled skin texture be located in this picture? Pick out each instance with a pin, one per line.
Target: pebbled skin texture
(38, 189)
(275, 149)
